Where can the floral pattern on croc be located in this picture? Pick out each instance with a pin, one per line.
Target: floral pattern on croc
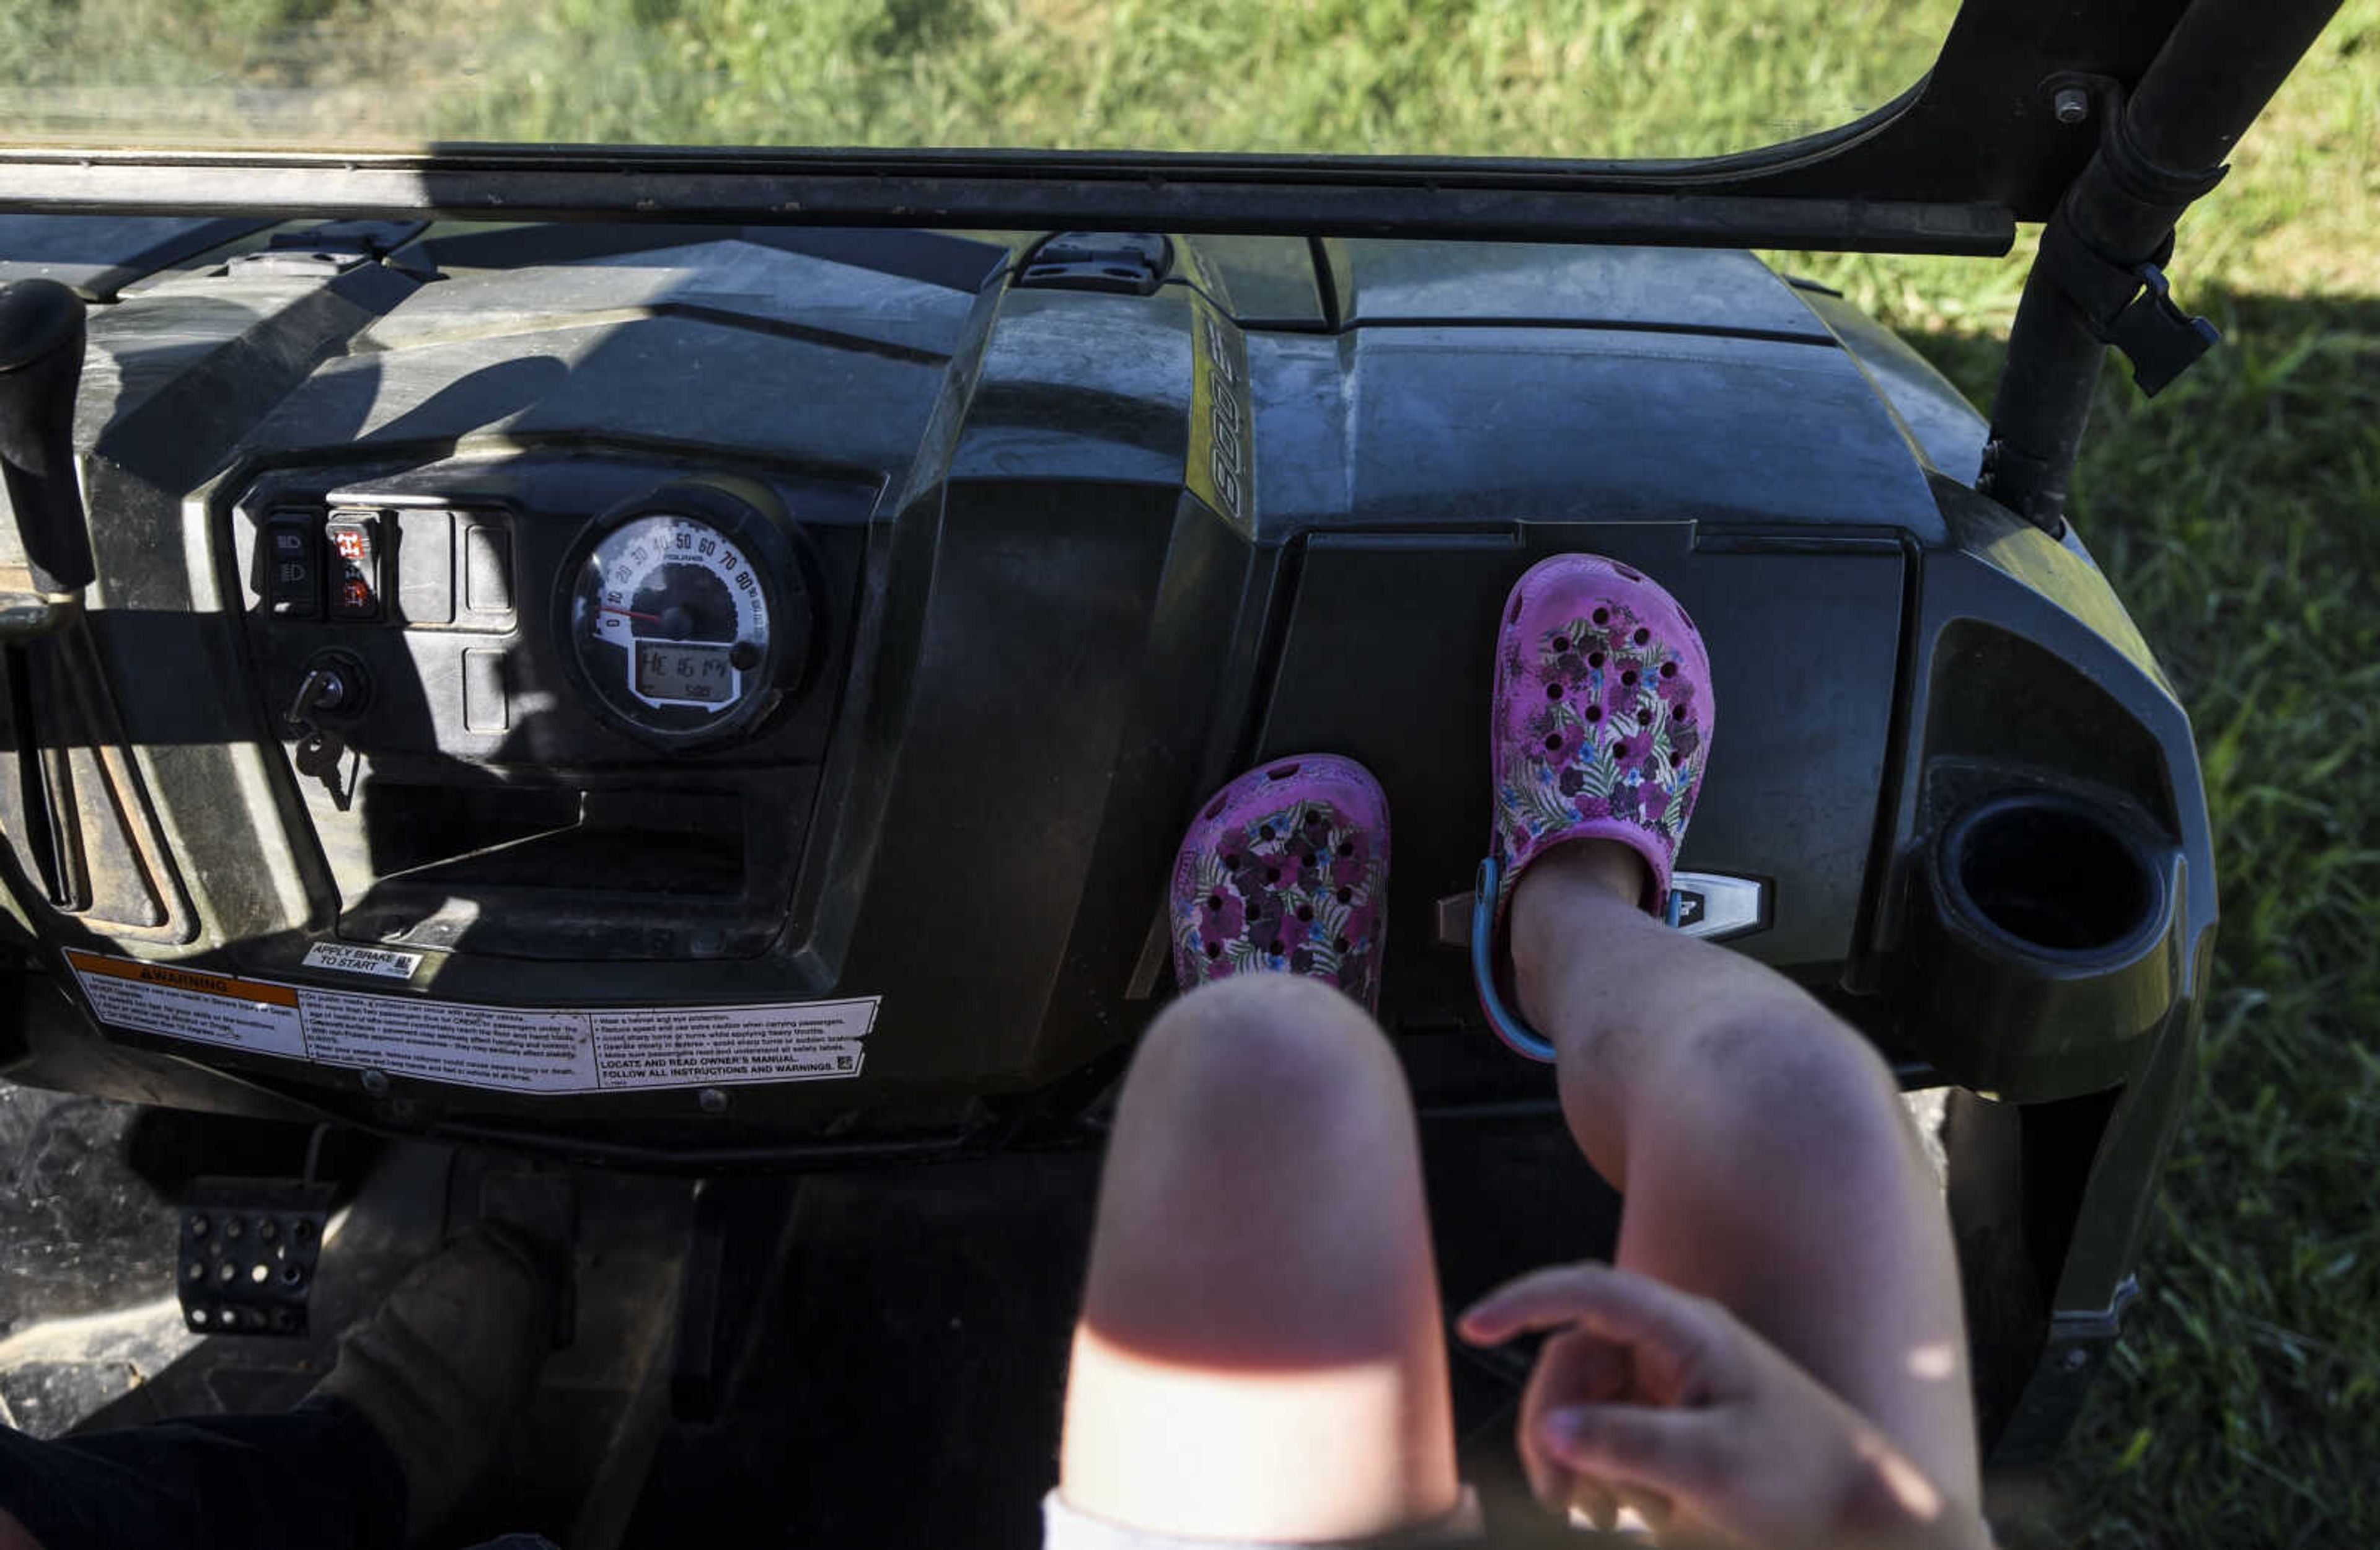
(1600, 728)
(1286, 869)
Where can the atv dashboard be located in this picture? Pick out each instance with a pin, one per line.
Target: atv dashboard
(690, 694)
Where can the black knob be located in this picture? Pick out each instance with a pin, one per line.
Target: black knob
(41, 365)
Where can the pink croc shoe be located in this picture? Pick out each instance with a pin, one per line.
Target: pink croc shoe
(1287, 870)
(1599, 731)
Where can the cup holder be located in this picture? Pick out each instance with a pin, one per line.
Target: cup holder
(2054, 876)
(2039, 947)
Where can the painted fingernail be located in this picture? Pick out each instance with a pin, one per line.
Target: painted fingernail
(1564, 1428)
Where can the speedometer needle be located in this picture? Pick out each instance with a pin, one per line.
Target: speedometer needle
(648, 618)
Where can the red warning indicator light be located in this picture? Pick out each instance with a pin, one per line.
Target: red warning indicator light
(355, 567)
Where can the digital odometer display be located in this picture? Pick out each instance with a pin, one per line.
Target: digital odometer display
(677, 670)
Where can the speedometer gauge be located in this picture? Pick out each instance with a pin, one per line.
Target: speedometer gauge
(687, 615)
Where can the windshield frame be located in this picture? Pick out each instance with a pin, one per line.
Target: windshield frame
(1949, 167)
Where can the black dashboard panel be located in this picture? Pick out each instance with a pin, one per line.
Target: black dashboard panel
(1074, 557)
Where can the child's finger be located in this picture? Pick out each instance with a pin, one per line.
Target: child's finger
(1679, 1453)
(1611, 1301)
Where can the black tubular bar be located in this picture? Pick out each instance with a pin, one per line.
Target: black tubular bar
(2162, 150)
(1188, 197)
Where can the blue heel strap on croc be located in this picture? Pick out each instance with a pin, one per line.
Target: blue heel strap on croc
(1517, 1036)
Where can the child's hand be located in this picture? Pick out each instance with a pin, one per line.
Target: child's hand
(1651, 1397)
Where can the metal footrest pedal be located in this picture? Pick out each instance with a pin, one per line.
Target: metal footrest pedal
(249, 1251)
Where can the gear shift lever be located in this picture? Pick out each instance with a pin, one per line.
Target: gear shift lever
(40, 364)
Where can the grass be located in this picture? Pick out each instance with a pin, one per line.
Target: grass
(2239, 514)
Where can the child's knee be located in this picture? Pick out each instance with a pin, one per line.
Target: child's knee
(1266, 1045)
(1797, 1073)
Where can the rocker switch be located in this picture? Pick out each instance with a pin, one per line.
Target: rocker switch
(354, 553)
(293, 567)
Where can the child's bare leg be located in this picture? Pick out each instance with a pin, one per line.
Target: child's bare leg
(1261, 1354)
(1765, 1156)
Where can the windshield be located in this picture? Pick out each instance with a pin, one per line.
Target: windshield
(1510, 77)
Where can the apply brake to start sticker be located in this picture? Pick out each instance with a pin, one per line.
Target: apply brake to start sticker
(513, 1049)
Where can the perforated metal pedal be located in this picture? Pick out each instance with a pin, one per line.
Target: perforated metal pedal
(249, 1251)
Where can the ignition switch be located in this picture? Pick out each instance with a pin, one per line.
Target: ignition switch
(334, 689)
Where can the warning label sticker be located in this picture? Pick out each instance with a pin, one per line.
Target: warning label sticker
(526, 1050)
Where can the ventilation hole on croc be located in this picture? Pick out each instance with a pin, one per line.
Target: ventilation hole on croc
(1284, 773)
(1305, 912)
(1677, 712)
(1594, 712)
(1553, 741)
(1273, 874)
(1553, 691)
(1256, 913)
(1562, 644)
(1669, 670)
(1629, 678)
(1595, 658)
(1266, 832)
(1214, 900)
(1619, 750)
(1641, 636)
(1275, 951)
(1214, 810)
(1346, 896)
(1316, 821)
(1338, 944)
(1346, 847)
(1214, 950)
(1231, 863)
(1603, 616)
